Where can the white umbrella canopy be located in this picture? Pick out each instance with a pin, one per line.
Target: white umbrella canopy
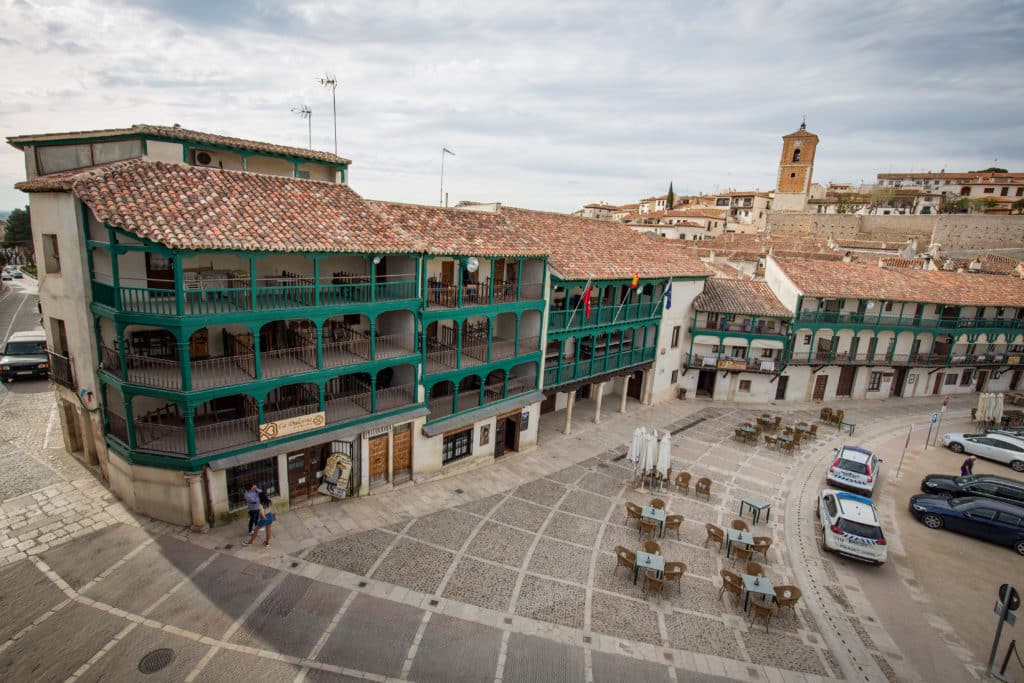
(990, 407)
(979, 413)
(997, 411)
(633, 454)
(650, 450)
(664, 455)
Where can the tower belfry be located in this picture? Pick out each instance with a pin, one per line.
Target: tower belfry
(796, 166)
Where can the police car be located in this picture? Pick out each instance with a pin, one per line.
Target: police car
(849, 526)
(854, 468)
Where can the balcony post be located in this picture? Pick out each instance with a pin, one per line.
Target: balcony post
(122, 353)
(519, 280)
(256, 359)
(812, 353)
(567, 428)
(316, 283)
(179, 286)
(504, 386)
(195, 497)
(597, 402)
(458, 340)
(259, 412)
(320, 347)
(252, 303)
(129, 419)
(490, 300)
(689, 357)
(115, 273)
(373, 394)
(515, 345)
(190, 431)
(373, 282)
(625, 393)
(185, 361)
(458, 285)
(373, 338)
(322, 394)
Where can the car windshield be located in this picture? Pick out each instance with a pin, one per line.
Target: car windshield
(24, 348)
(957, 502)
(862, 530)
(853, 466)
(963, 481)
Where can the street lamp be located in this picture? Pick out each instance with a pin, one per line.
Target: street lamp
(329, 81)
(444, 150)
(305, 112)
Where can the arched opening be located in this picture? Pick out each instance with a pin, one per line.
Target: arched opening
(441, 402)
(396, 387)
(347, 397)
(346, 340)
(504, 341)
(220, 359)
(529, 332)
(151, 356)
(395, 334)
(160, 426)
(522, 379)
(494, 386)
(223, 423)
(796, 155)
(476, 333)
(441, 338)
(291, 400)
(469, 393)
(287, 347)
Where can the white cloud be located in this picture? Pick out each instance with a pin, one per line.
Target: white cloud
(547, 105)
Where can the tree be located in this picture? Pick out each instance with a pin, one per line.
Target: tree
(671, 199)
(18, 233)
(990, 169)
(1018, 206)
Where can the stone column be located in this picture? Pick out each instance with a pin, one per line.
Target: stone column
(599, 390)
(195, 496)
(568, 413)
(625, 394)
(648, 387)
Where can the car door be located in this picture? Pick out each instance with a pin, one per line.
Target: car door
(1006, 451)
(979, 522)
(1007, 528)
(978, 445)
(982, 489)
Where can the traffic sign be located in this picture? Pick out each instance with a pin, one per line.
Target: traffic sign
(935, 418)
(1011, 618)
(1014, 596)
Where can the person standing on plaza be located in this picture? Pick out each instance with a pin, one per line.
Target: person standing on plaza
(252, 502)
(266, 519)
(967, 468)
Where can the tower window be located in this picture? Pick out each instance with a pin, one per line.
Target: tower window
(792, 175)
(796, 155)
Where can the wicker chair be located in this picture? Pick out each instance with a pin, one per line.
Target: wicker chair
(761, 545)
(778, 422)
(771, 441)
(763, 611)
(652, 547)
(624, 557)
(683, 482)
(838, 417)
(648, 528)
(674, 572)
(739, 434)
(674, 522)
(740, 554)
(787, 447)
(798, 436)
(813, 433)
(753, 569)
(825, 415)
(787, 596)
(653, 583)
(739, 525)
(714, 534)
(657, 503)
(633, 511)
(703, 487)
(731, 584)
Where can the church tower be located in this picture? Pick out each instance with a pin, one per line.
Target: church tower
(795, 169)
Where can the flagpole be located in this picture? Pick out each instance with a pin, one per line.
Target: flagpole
(568, 325)
(619, 309)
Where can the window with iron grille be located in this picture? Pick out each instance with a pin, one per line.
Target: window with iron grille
(965, 378)
(263, 473)
(457, 446)
(875, 383)
(951, 379)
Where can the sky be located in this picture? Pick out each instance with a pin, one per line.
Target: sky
(547, 105)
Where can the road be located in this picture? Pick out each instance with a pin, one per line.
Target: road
(18, 310)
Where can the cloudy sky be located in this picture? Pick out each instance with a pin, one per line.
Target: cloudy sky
(546, 104)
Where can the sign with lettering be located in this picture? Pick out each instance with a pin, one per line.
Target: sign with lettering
(725, 364)
(293, 425)
(1013, 360)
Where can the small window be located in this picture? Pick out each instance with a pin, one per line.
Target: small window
(950, 380)
(1004, 192)
(745, 385)
(51, 254)
(766, 353)
(888, 307)
(990, 190)
(796, 155)
(714, 349)
(675, 376)
(875, 383)
(675, 336)
(1020, 191)
(457, 446)
(304, 175)
(965, 378)
(739, 352)
(792, 175)
(807, 340)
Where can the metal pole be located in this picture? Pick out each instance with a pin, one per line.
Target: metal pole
(309, 120)
(334, 100)
(904, 454)
(929, 437)
(937, 431)
(1005, 599)
(440, 199)
(1006, 660)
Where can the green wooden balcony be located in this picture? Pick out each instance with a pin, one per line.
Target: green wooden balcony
(596, 365)
(908, 321)
(562, 321)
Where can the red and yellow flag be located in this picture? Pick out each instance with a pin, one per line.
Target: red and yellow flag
(636, 280)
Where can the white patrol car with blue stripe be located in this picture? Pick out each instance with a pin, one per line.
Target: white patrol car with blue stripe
(854, 468)
(849, 526)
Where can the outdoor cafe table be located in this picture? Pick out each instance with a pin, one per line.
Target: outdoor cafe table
(765, 420)
(803, 428)
(785, 437)
(757, 506)
(647, 561)
(737, 536)
(748, 429)
(755, 584)
(656, 515)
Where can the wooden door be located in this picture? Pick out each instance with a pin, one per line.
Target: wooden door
(448, 272)
(379, 458)
(499, 437)
(299, 481)
(199, 344)
(401, 451)
(1015, 382)
(982, 377)
(159, 271)
(899, 382)
(512, 432)
(937, 387)
(820, 382)
(846, 377)
(780, 390)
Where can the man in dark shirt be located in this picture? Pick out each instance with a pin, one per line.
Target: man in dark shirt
(252, 502)
(967, 469)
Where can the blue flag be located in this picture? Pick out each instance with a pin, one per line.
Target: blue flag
(667, 296)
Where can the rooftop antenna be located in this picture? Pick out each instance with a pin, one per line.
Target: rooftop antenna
(329, 81)
(444, 150)
(305, 112)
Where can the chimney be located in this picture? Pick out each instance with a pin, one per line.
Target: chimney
(975, 265)
(848, 257)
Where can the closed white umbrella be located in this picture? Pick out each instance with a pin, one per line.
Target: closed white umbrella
(664, 455)
(990, 407)
(979, 413)
(633, 454)
(998, 412)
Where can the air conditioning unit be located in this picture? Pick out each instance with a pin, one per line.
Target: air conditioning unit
(203, 159)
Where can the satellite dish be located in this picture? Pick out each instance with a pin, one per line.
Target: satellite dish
(472, 263)
(870, 305)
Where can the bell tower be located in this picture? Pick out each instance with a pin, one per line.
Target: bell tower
(795, 169)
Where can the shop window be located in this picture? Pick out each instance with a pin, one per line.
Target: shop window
(875, 382)
(263, 473)
(457, 446)
(745, 385)
(950, 380)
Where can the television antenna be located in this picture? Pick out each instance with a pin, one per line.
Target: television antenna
(329, 81)
(305, 112)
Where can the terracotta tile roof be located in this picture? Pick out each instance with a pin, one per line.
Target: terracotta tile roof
(900, 262)
(183, 135)
(746, 297)
(187, 207)
(867, 281)
(63, 180)
(459, 231)
(582, 248)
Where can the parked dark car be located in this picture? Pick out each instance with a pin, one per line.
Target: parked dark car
(983, 485)
(989, 520)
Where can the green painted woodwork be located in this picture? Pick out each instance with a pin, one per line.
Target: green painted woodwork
(555, 375)
(900, 322)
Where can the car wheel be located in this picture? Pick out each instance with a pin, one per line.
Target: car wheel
(932, 521)
(1019, 547)
(956, 447)
(1017, 465)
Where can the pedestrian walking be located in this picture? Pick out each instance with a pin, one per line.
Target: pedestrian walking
(967, 468)
(265, 521)
(252, 502)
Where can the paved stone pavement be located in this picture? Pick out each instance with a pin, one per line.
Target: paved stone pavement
(511, 579)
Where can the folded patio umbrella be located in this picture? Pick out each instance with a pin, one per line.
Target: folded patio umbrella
(997, 412)
(979, 413)
(664, 455)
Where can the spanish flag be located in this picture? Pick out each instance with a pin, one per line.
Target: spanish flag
(636, 280)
